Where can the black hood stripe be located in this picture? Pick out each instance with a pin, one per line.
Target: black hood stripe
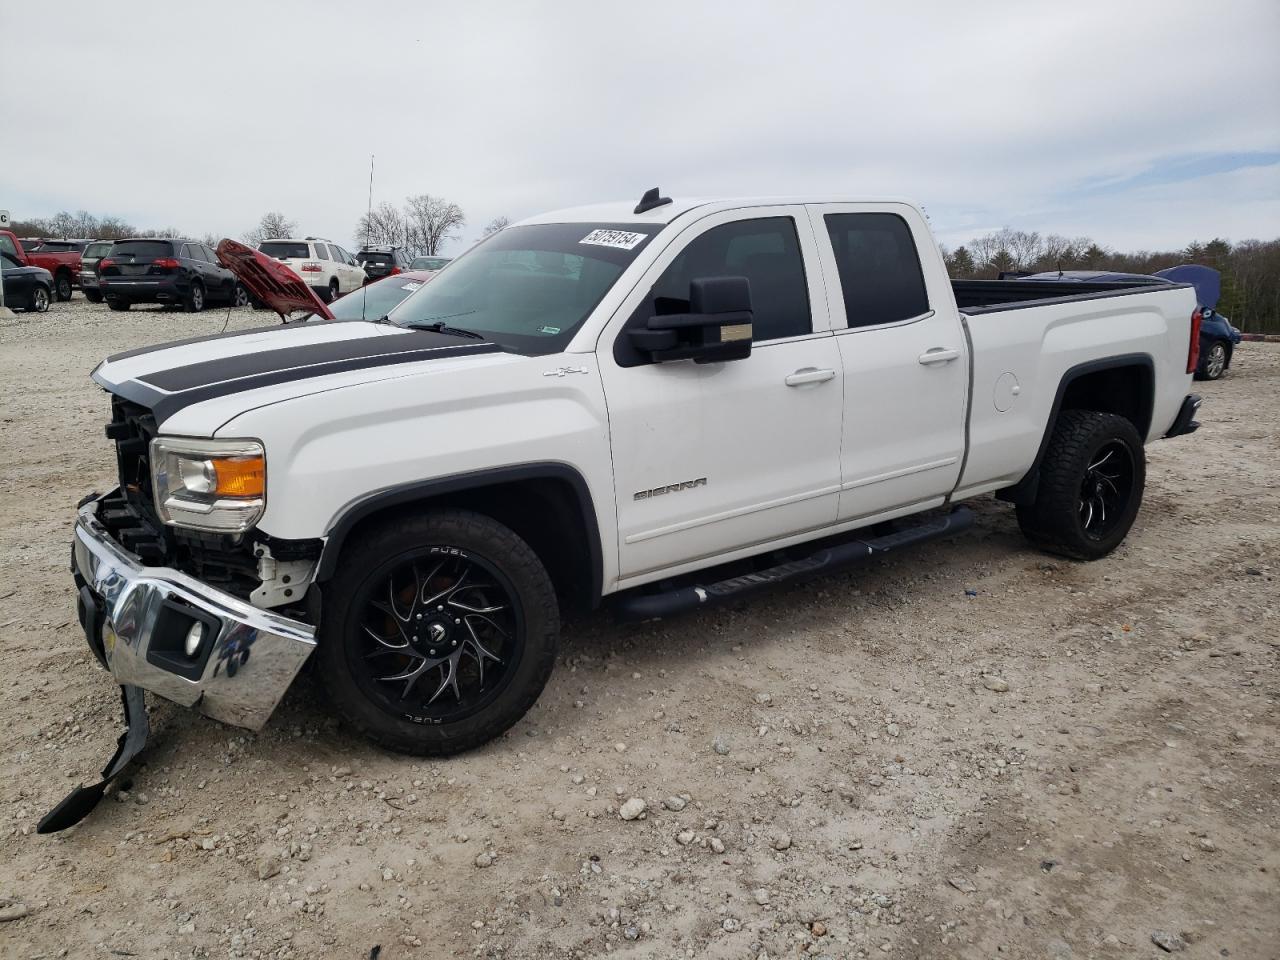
(249, 331)
(244, 365)
(168, 391)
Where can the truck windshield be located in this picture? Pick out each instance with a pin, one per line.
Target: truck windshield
(528, 288)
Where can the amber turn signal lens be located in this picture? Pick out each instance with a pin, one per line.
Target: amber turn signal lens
(240, 476)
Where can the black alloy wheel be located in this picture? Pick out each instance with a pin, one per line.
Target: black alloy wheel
(438, 631)
(1106, 489)
(443, 632)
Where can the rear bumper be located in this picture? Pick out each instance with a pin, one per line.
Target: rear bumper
(136, 619)
(87, 281)
(1185, 422)
(144, 289)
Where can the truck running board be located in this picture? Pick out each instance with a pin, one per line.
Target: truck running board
(653, 606)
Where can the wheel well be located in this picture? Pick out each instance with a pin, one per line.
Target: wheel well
(1121, 385)
(547, 512)
(1123, 390)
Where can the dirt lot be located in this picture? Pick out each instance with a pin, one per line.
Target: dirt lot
(840, 779)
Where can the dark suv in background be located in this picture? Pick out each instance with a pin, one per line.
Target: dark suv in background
(166, 271)
(89, 260)
(379, 262)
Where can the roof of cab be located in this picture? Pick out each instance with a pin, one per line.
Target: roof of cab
(624, 211)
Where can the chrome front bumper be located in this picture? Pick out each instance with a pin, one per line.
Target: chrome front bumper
(130, 613)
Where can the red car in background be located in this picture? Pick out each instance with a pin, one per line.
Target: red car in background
(63, 265)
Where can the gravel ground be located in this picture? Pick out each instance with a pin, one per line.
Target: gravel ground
(969, 750)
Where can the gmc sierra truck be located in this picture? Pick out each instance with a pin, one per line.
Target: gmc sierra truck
(660, 405)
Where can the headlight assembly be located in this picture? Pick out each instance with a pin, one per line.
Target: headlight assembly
(214, 485)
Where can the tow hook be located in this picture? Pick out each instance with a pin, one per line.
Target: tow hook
(79, 803)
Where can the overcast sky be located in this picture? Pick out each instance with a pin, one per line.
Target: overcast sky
(1142, 125)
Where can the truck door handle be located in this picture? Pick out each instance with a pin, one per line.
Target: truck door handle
(938, 355)
(809, 375)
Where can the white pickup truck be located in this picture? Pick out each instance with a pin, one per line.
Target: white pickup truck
(660, 405)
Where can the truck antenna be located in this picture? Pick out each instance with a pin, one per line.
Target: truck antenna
(368, 217)
(650, 200)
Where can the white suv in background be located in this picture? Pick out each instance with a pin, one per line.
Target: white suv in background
(328, 269)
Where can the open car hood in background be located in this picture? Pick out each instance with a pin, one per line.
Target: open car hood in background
(269, 281)
(1206, 280)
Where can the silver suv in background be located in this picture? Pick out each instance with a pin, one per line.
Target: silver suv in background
(93, 253)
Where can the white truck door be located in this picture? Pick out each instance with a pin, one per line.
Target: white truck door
(905, 359)
(715, 458)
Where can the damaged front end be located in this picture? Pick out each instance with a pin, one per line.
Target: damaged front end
(159, 629)
(165, 631)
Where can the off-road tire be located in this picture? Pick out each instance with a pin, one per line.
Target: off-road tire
(1052, 522)
(378, 551)
(62, 286)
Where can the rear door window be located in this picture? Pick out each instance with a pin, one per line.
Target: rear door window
(322, 252)
(880, 275)
(766, 251)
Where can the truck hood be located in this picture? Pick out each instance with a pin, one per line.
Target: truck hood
(269, 281)
(1206, 280)
(302, 356)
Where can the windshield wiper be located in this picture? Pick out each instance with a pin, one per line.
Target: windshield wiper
(442, 327)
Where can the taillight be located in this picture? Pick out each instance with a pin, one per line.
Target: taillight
(104, 263)
(311, 268)
(166, 263)
(1193, 348)
(395, 270)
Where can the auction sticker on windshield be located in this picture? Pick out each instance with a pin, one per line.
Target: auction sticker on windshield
(613, 238)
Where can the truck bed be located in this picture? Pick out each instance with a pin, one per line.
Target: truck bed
(985, 296)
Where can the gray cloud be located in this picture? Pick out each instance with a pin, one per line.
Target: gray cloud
(205, 116)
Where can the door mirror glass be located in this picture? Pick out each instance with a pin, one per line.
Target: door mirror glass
(717, 326)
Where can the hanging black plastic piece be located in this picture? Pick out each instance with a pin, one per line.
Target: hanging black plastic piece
(79, 803)
(651, 200)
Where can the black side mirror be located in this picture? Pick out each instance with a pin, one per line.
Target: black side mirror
(716, 328)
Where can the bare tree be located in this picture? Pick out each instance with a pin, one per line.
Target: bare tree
(431, 222)
(381, 225)
(500, 222)
(274, 225)
(114, 228)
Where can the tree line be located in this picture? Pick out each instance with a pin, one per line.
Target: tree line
(1250, 269)
(424, 223)
(84, 225)
(421, 227)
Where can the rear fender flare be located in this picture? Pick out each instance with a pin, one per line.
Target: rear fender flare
(1024, 491)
